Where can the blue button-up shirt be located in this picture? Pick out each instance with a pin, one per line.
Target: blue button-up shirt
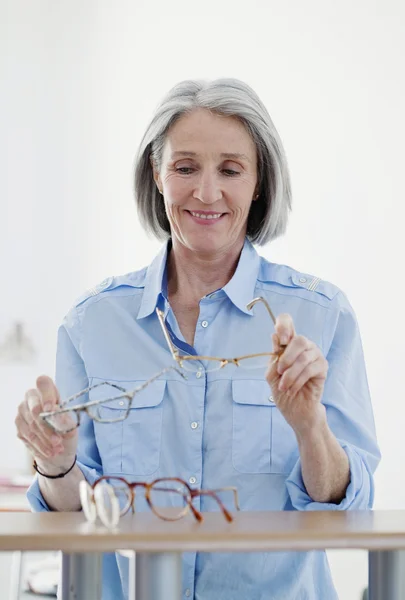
(218, 429)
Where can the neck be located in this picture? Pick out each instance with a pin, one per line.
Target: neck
(191, 275)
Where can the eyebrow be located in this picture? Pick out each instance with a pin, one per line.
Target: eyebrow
(228, 155)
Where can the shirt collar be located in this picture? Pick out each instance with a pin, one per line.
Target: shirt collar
(155, 283)
(240, 289)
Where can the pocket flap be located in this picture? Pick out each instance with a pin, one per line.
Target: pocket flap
(151, 395)
(252, 391)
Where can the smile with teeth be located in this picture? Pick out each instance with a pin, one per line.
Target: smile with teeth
(204, 216)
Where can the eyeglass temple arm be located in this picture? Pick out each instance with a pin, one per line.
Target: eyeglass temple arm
(87, 390)
(250, 305)
(213, 495)
(131, 394)
(166, 333)
(234, 492)
(266, 304)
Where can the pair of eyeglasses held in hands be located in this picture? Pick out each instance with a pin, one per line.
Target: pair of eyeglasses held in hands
(170, 499)
(193, 363)
(67, 417)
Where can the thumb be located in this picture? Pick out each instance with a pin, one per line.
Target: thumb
(49, 394)
(272, 375)
(276, 343)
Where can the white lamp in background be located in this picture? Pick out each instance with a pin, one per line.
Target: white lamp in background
(18, 358)
(17, 348)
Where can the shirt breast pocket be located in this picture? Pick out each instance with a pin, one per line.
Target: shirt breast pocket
(130, 446)
(262, 440)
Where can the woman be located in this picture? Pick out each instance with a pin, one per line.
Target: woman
(211, 178)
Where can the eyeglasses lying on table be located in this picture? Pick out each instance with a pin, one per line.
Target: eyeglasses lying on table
(67, 417)
(192, 363)
(169, 498)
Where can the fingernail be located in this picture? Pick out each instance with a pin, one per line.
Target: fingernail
(55, 439)
(283, 340)
(280, 386)
(47, 407)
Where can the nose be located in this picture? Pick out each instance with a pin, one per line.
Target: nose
(207, 189)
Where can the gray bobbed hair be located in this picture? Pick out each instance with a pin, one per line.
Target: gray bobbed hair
(229, 97)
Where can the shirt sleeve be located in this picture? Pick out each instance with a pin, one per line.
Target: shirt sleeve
(349, 413)
(70, 378)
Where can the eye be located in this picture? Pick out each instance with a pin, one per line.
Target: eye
(230, 172)
(184, 170)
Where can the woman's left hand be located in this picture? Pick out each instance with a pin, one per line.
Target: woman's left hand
(298, 377)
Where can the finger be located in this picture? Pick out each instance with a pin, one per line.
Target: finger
(63, 423)
(50, 399)
(31, 440)
(276, 343)
(313, 371)
(35, 453)
(297, 346)
(27, 432)
(32, 406)
(271, 374)
(31, 426)
(31, 399)
(299, 365)
(284, 328)
(275, 354)
(49, 437)
(30, 411)
(49, 393)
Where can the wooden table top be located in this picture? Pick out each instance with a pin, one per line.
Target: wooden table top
(250, 531)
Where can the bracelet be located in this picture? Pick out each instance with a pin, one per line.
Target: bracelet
(53, 476)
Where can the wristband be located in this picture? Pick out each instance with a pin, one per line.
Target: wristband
(53, 476)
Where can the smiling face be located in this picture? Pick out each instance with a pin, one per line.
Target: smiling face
(208, 178)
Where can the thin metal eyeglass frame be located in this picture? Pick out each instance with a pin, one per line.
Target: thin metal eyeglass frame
(180, 358)
(148, 487)
(79, 408)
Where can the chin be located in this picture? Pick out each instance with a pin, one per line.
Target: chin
(206, 243)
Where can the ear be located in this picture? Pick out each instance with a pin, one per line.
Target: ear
(156, 176)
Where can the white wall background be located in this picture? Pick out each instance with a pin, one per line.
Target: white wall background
(80, 81)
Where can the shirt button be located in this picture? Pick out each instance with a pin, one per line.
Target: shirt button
(188, 593)
(303, 279)
(198, 374)
(105, 283)
(204, 323)
(271, 399)
(121, 403)
(192, 480)
(194, 425)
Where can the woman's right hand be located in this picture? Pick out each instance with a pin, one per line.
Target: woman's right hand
(53, 452)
